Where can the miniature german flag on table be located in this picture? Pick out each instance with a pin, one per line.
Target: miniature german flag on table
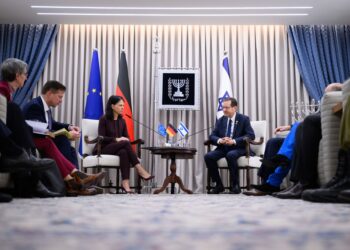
(171, 131)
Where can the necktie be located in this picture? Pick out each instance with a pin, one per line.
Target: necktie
(228, 132)
(49, 119)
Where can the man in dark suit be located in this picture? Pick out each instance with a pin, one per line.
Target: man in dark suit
(39, 109)
(229, 134)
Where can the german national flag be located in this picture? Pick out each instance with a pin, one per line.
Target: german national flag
(171, 131)
(123, 89)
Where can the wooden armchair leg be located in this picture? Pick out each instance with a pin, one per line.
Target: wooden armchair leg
(138, 188)
(208, 183)
(117, 181)
(248, 178)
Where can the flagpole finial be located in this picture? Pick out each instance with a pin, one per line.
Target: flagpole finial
(225, 53)
(123, 50)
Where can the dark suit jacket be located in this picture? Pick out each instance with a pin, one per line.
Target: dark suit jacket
(34, 110)
(242, 129)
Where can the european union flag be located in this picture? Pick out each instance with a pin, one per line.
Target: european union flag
(162, 130)
(94, 104)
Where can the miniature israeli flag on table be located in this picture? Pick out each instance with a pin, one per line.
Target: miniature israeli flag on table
(182, 129)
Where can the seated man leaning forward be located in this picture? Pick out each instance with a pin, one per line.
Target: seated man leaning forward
(229, 134)
(39, 109)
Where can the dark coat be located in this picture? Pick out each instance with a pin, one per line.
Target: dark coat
(242, 129)
(34, 110)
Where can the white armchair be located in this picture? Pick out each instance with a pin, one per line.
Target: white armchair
(105, 161)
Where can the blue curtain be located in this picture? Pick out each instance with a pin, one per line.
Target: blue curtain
(322, 54)
(32, 44)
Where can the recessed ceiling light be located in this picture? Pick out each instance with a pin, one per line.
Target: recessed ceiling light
(172, 15)
(170, 8)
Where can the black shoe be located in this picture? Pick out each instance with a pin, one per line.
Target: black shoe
(327, 194)
(266, 188)
(217, 190)
(5, 197)
(294, 192)
(341, 169)
(344, 196)
(235, 189)
(340, 182)
(284, 190)
(41, 191)
(24, 162)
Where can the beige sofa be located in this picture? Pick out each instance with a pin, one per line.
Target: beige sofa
(4, 178)
(330, 125)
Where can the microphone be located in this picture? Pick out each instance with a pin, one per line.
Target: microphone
(129, 116)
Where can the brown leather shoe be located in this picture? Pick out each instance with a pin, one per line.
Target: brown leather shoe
(73, 184)
(88, 180)
(72, 188)
(87, 192)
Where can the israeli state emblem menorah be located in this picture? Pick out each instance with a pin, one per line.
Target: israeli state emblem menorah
(180, 85)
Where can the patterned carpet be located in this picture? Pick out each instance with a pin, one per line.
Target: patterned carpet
(173, 222)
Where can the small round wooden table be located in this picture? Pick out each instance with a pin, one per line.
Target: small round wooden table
(173, 153)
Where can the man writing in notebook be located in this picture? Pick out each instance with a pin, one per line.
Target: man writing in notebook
(39, 109)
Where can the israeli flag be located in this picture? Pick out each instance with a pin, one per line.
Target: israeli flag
(182, 129)
(225, 90)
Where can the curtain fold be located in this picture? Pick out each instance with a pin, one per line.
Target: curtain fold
(32, 44)
(322, 54)
(264, 78)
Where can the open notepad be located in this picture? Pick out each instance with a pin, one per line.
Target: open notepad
(41, 129)
(38, 127)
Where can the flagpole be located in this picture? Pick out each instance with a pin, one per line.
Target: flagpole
(156, 52)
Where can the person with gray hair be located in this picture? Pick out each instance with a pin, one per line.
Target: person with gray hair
(16, 142)
(14, 73)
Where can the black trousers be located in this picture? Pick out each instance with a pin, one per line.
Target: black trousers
(231, 156)
(21, 132)
(7, 145)
(15, 134)
(272, 147)
(308, 141)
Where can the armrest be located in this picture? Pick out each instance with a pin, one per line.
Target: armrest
(138, 143)
(249, 142)
(208, 144)
(97, 141)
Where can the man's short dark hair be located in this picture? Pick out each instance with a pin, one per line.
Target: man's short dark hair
(233, 101)
(53, 86)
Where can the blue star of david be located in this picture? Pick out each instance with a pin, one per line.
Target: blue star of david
(220, 99)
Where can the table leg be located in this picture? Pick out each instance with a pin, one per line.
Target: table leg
(181, 185)
(172, 178)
